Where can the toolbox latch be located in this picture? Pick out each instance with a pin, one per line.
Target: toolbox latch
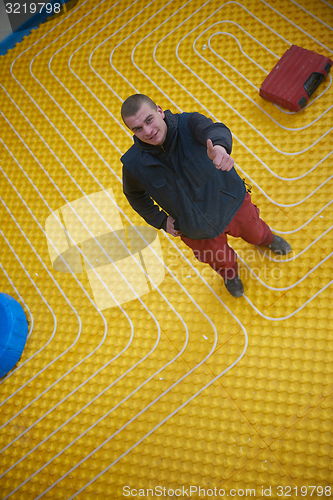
(302, 102)
(327, 67)
(312, 82)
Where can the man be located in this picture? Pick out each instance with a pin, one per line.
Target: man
(182, 161)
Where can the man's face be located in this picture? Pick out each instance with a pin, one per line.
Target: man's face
(148, 125)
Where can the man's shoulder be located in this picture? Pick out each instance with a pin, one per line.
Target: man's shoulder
(131, 154)
(194, 119)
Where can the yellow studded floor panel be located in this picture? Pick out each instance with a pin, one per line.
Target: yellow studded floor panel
(141, 376)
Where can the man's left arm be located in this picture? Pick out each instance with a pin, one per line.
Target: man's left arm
(215, 136)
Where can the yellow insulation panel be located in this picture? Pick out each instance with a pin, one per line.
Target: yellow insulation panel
(142, 377)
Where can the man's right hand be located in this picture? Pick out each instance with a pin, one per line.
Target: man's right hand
(219, 156)
(170, 227)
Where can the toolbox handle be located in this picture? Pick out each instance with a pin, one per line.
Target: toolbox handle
(312, 82)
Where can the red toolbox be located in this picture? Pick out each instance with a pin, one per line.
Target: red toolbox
(295, 77)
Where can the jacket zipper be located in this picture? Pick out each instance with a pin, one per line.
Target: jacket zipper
(173, 170)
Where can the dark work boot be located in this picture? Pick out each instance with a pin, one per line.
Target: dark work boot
(279, 245)
(234, 286)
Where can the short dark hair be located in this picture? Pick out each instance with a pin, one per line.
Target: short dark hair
(133, 103)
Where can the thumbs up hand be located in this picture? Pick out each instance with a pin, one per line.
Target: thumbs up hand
(219, 156)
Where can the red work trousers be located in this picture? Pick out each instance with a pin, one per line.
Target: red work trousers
(216, 252)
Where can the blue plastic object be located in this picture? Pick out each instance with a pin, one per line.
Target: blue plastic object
(13, 332)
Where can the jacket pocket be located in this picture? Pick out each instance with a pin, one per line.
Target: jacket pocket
(228, 194)
(159, 183)
(162, 192)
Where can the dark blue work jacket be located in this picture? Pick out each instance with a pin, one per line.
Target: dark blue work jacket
(201, 198)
